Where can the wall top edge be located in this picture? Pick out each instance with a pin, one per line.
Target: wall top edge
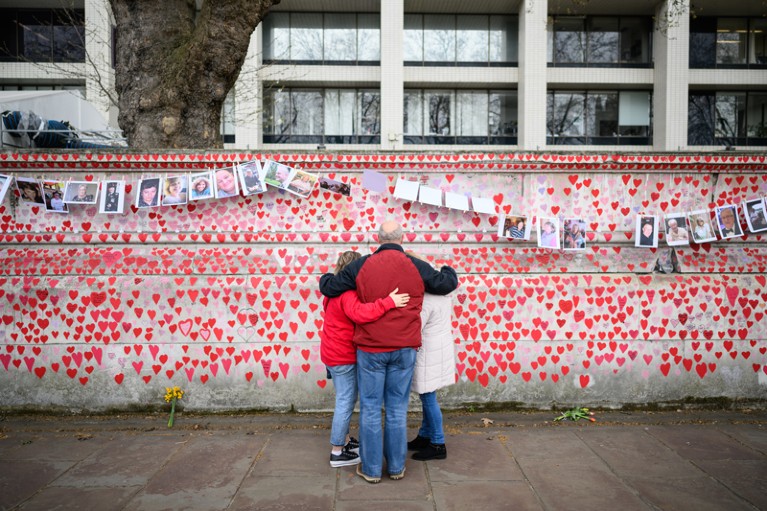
(103, 157)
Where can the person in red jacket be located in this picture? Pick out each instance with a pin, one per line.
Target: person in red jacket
(340, 357)
(386, 348)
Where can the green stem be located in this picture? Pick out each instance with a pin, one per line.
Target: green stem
(172, 412)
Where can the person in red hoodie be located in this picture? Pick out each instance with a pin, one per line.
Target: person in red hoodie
(340, 357)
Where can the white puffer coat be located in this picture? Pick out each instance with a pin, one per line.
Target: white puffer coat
(435, 363)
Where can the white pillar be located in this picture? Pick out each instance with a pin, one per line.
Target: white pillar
(532, 75)
(672, 49)
(248, 93)
(392, 73)
(99, 73)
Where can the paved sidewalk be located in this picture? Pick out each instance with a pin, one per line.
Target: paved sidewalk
(697, 460)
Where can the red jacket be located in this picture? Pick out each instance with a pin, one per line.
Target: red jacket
(341, 314)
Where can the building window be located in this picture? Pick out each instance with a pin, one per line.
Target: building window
(600, 41)
(460, 117)
(42, 35)
(727, 118)
(466, 40)
(227, 119)
(599, 118)
(322, 116)
(317, 38)
(728, 43)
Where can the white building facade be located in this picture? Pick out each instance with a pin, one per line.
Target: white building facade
(428, 75)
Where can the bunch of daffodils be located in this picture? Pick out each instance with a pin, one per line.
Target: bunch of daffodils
(171, 396)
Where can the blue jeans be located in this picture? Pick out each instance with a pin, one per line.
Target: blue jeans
(431, 425)
(345, 382)
(384, 379)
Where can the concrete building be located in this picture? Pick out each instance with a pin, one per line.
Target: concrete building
(535, 75)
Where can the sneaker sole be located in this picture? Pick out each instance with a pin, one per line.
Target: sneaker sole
(345, 463)
(397, 477)
(371, 480)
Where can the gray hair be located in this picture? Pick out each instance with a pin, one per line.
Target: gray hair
(390, 236)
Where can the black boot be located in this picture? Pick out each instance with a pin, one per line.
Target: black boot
(432, 452)
(418, 443)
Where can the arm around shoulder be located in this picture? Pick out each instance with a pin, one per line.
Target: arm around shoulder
(436, 282)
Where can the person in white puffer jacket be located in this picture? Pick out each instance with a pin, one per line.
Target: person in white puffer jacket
(434, 369)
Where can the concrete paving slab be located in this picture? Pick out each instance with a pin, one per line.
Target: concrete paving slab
(295, 452)
(485, 495)
(630, 449)
(20, 479)
(387, 505)
(572, 483)
(560, 443)
(745, 477)
(203, 474)
(690, 494)
(78, 499)
(703, 443)
(283, 493)
(480, 456)
(52, 447)
(414, 486)
(130, 461)
(752, 435)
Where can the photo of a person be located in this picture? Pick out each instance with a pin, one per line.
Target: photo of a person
(226, 183)
(201, 187)
(29, 190)
(646, 234)
(574, 234)
(302, 183)
(174, 190)
(335, 186)
(148, 193)
(676, 230)
(5, 185)
(277, 174)
(548, 232)
(54, 196)
(112, 197)
(700, 226)
(756, 218)
(513, 227)
(728, 222)
(81, 192)
(250, 178)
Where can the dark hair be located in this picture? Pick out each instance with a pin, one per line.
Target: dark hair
(149, 183)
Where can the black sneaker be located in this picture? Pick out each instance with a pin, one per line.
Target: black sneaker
(418, 443)
(346, 458)
(432, 452)
(353, 445)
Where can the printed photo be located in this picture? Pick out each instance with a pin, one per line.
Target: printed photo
(277, 174)
(334, 186)
(728, 222)
(226, 183)
(302, 183)
(149, 191)
(54, 196)
(514, 227)
(174, 190)
(574, 234)
(700, 226)
(81, 192)
(251, 180)
(112, 197)
(548, 232)
(30, 190)
(201, 186)
(676, 229)
(755, 215)
(5, 185)
(646, 232)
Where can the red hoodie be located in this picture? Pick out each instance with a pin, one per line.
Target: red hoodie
(341, 314)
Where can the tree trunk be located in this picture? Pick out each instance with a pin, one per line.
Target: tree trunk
(175, 65)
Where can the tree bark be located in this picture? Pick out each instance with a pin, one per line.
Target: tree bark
(175, 65)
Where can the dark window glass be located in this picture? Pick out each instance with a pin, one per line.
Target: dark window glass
(700, 124)
(702, 42)
(42, 35)
(727, 118)
(569, 40)
(603, 40)
(728, 42)
(600, 41)
(731, 38)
